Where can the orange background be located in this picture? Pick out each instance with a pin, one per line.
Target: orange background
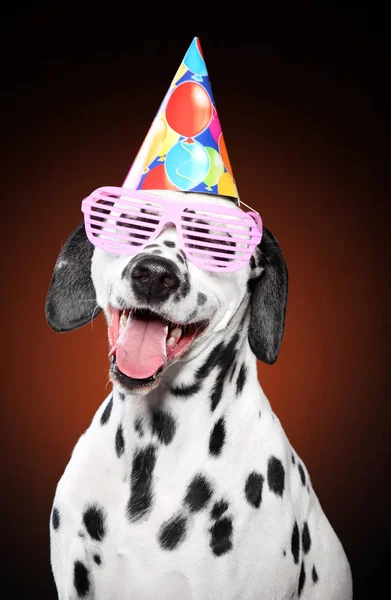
(303, 113)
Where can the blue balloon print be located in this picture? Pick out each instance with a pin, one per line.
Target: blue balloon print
(187, 164)
(194, 61)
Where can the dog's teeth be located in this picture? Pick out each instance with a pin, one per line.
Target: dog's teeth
(177, 332)
(171, 341)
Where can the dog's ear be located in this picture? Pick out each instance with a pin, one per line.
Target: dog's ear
(71, 300)
(268, 301)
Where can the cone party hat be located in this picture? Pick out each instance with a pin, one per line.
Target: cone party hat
(184, 149)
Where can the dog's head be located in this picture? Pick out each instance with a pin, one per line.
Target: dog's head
(160, 307)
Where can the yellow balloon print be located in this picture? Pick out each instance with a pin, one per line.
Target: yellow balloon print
(181, 71)
(171, 138)
(226, 186)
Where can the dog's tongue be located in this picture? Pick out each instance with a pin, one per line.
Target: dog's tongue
(141, 348)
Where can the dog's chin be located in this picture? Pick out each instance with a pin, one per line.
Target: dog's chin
(129, 385)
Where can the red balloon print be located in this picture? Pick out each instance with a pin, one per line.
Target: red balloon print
(189, 109)
(156, 179)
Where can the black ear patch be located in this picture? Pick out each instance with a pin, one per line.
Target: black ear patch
(71, 300)
(268, 302)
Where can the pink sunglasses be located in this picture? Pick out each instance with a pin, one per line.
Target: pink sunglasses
(215, 238)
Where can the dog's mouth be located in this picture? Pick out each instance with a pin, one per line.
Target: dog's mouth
(143, 343)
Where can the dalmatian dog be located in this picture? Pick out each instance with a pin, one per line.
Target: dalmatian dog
(185, 485)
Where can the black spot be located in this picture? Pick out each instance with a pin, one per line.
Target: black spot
(225, 361)
(185, 391)
(97, 559)
(221, 356)
(253, 264)
(80, 579)
(143, 465)
(157, 252)
(180, 258)
(210, 362)
(107, 412)
(276, 476)
(201, 298)
(315, 577)
(169, 244)
(138, 425)
(302, 473)
(192, 315)
(198, 494)
(172, 532)
(218, 509)
(81, 534)
(301, 579)
(122, 396)
(56, 518)
(221, 536)
(119, 441)
(284, 552)
(260, 414)
(251, 283)
(295, 543)
(306, 538)
(232, 370)
(253, 489)
(241, 380)
(94, 521)
(293, 459)
(163, 425)
(151, 246)
(217, 437)
(185, 288)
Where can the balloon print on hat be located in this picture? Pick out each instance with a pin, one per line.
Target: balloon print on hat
(158, 142)
(189, 109)
(226, 186)
(156, 179)
(194, 61)
(152, 143)
(171, 138)
(179, 74)
(216, 168)
(224, 154)
(187, 164)
(215, 127)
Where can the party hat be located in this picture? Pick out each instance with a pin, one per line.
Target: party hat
(184, 148)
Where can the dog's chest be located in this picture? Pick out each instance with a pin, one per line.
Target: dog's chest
(163, 501)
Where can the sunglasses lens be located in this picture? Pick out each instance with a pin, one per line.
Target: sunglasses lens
(118, 223)
(218, 242)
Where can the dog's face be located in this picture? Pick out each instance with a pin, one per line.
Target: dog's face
(160, 307)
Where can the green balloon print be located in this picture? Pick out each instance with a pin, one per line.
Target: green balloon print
(216, 168)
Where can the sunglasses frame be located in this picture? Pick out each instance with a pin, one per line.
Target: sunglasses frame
(177, 213)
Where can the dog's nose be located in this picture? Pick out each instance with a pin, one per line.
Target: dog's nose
(154, 277)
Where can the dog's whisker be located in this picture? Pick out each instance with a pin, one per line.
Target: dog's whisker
(93, 316)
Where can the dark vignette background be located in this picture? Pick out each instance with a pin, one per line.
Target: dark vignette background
(302, 101)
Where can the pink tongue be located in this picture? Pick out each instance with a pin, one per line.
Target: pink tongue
(141, 348)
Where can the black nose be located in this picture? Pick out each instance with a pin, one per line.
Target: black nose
(153, 278)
